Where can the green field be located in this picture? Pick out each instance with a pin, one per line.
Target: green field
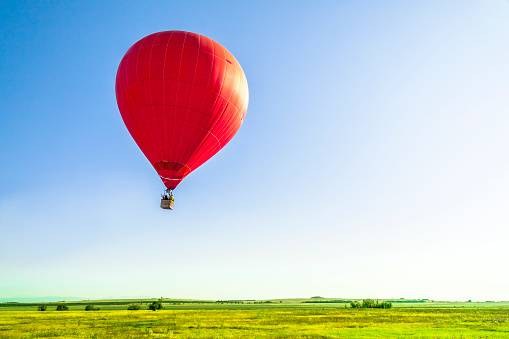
(281, 318)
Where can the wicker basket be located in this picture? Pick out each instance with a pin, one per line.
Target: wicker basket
(166, 204)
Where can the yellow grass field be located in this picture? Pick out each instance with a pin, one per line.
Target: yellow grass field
(263, 322)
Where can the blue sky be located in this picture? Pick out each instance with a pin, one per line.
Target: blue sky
(372, 162)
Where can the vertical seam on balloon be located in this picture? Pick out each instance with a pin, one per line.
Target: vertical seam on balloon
(220, 115)
(143, 130)
(221, 144)
(142, 135)
(148, 123)
(220, 89)
(217, 98)
(192, 153)
(210, 75)
(137, 88)
(202, 102)
(229, 102)
(228, 129)
(176, 96)
(129, 97)
(202, 156)
(178, 83)
(160, 129)
(154, 138)
(156, 122)
(165, 146)
(182, 158)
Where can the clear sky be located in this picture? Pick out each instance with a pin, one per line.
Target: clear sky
(373, 161)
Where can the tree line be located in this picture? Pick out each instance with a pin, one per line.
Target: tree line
(370, 303)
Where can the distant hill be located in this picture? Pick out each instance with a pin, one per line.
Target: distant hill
(54, 299)
(38, 299)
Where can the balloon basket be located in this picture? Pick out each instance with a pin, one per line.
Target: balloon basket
(166, 204)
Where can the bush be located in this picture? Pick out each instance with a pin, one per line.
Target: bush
(156, 305)
(355, 304)
(91, 308)
(62, 307)
(368, 303)
(134, 307)
(42, 308)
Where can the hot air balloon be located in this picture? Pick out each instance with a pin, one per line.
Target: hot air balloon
(182, 97)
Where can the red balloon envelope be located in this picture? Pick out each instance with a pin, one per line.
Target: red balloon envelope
(182, 97)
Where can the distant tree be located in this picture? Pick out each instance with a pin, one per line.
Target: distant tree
(355, 304)
(42, 308)
(62, 307)
(134, 307)
(368, 303)
(91, 308)
(156, 305)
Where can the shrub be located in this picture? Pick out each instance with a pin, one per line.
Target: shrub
(368, 303)
(156, 305)
(91, 308)
(134, 307)
(62, 307)
(42, 308)
(355, 304)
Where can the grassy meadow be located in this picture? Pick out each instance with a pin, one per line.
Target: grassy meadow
(281, 318)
